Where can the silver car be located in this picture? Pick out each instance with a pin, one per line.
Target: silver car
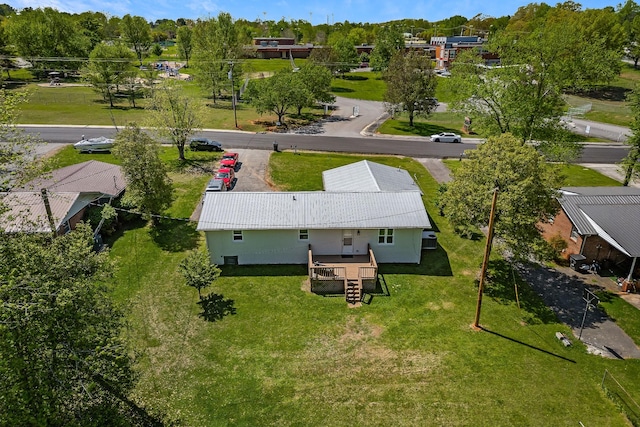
(216, 184)
(446, 137)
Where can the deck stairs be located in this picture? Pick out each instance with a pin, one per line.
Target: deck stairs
(353, 292)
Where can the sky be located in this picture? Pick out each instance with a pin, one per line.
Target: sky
(314, 11)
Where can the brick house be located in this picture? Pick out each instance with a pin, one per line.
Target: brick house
(601, 223)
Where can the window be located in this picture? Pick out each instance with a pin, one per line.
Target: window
(385, 236)
(237, 236)
(574, 234)
(303, 235)
(67, 227)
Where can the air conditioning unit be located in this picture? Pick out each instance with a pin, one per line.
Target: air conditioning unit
(429, 240)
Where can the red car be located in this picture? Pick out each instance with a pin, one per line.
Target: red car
(229, 160)
(227, 175)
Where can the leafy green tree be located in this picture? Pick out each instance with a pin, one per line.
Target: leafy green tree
(317, 80)
(524, 95)
(325, 56)
(63, 357)
(389, 40)
(149, 187)
(137, 33)
(276, 94)
(185, 45)
(346, 54)
(18, 148)
(631, 163)
(198, 271)
(174, 115)
(527, 188)
(93, 24)
(156, 50)
(109, 66)
(48, 33)
(215, 49)
(411, 84)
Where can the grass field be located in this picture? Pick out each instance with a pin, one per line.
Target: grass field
(279, 355)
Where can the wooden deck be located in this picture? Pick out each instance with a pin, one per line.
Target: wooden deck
(350, 275)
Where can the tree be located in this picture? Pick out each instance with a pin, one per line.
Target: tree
(524, 95)
(326, 57)
(215, 49)
(149, 187)
(109, 66)
(184, 43)
(411, 84)
(36, 33)
(276, 94)
(198, 271)
(174, 115)
(527, 194)
(317, 80)
(631, 163)
(63, 357)
(389, 40)
(18, 148)
(137, 33)
(346, 54)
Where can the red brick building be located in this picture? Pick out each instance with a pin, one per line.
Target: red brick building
(601, 223)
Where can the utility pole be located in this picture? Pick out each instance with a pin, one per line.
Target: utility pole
(47, 207)
(485, 262)
(233, 94)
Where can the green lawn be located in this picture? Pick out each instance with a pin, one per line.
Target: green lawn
(288, 357)
(361, 85)
(574, 175)
(435, 123)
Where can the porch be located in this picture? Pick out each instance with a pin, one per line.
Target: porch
(351, 276)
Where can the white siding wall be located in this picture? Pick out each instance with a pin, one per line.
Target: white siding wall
(284, 247)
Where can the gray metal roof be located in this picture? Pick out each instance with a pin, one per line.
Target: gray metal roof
(612, 213)
(87, 177)
(368, 176)
(26, 211)
(312, 210)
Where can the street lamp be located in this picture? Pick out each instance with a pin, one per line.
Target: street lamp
(233, 93)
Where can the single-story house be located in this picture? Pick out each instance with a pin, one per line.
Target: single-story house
(280, 227)
(69, 191)
(368, 213)
(600, 223)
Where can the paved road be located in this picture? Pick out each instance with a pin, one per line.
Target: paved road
(406, 146)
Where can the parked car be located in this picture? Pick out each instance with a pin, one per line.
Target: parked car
(227, 175)
(216, 184)
(229, 160)
(204, 144)
(446, 137)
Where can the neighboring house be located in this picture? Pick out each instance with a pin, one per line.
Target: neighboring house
(601, 223)
(69, 191)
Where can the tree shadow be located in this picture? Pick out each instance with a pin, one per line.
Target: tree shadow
(341, 89)
(175, 235)
(215, 307)
(354, 77)
(196, 165)
(420, 128)
(135, 222)
(605, 93)
(434, 262)
(500, 285)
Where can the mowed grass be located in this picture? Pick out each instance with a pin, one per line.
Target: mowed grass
(360, 85)
(288, 357)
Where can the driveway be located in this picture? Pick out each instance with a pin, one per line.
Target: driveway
(563, 294)
(251, 175)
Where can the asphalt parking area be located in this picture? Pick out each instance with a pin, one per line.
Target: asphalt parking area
(251, 174)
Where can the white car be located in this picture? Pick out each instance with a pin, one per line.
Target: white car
(446, 137)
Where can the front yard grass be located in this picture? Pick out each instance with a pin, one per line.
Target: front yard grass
(283, 356)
